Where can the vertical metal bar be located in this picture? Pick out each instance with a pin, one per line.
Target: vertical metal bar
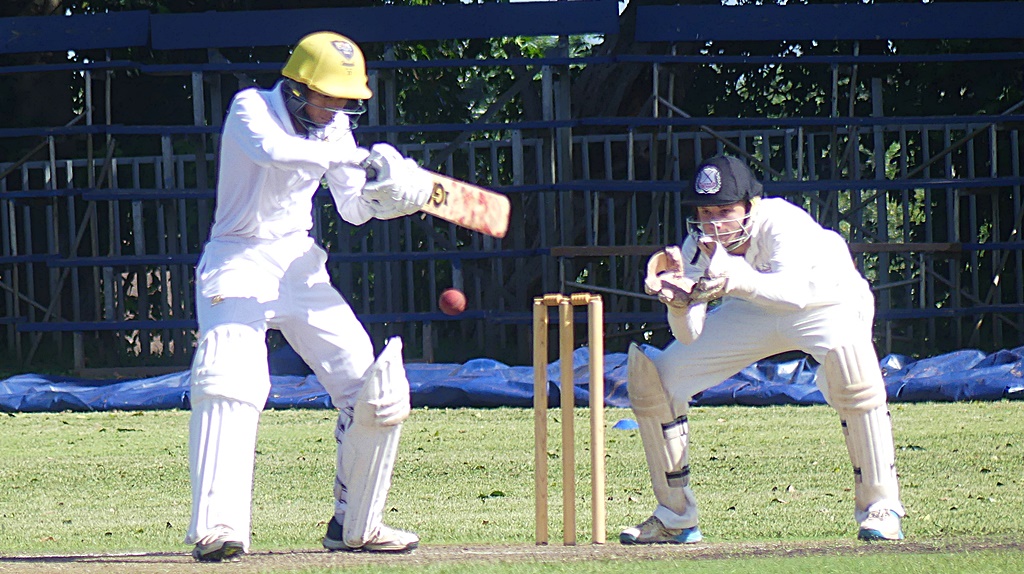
(929, 236)
(107, 99)
(834, 148)
(53, 241)
(564, 164)
(972, 220)
(787, 153)
(881, 206)
(390, 95)
(800, 154)
(997, 234)
(655, 94)
(90, 165)
(544, 222)
(953, 232)
(7, 242)
(373, 108)
(1017, 207)
(26, 229)
(72, 225)
(595, 327)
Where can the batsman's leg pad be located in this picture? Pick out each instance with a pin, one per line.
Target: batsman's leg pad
(857, 391)
(340, 491)
(370, 443)
(664, 436)
(231, 362)
(222, 445)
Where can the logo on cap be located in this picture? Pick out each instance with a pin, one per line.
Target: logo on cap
(708, 181)
(344, 48)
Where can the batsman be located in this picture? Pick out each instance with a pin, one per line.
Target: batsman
(782, 283)
(261, 269)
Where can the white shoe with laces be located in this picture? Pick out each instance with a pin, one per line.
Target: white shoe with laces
(218, 549)
(386, 539)
(881, 524)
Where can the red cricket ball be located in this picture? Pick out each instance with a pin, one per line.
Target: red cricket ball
(452, 301)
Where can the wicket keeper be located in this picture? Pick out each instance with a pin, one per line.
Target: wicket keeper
(785, 283)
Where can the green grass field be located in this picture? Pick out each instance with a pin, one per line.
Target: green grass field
(85, 483)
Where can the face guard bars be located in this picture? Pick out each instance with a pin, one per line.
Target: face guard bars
(730, 240)
(295, 99)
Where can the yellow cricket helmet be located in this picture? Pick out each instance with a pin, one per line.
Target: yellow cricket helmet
(331, 64)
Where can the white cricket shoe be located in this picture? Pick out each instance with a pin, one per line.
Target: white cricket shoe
(654, 531)
(386, 539)
(218, 549)
(881, 524)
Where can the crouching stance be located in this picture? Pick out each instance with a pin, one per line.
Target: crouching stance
(261, 269)
(784, 283)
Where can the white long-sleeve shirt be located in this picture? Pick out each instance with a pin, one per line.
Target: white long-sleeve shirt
(792, 263)
(268, 173)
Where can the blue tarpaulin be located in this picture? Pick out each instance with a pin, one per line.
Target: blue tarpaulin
(966, 375)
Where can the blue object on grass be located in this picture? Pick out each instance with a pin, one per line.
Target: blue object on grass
(967, 375)
(626, 424)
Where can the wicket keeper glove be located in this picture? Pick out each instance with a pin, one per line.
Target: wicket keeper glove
(665, 278)
(733, 275)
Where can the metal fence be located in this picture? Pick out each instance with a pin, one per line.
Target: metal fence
(97, 252)
(97, 258)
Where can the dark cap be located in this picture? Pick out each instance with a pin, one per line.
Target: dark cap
(722, 180)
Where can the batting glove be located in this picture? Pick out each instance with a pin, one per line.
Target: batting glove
(395, 185)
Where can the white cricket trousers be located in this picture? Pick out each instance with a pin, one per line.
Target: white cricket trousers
(243, 288)
(739, 333)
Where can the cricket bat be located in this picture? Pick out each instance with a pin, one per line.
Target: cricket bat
(468, 205)
(461, 203)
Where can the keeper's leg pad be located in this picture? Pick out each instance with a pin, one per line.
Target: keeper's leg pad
(664, 436)
(222, 447)
(857, 391)
(367, 451)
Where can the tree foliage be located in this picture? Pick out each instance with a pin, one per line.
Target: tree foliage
(428, 93)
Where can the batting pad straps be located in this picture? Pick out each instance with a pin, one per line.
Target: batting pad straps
(664, 437)
(371, 443)
(857, 391)
(675, 434)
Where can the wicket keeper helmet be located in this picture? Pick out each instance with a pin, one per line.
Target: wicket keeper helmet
(330, 64)
(722, 180)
